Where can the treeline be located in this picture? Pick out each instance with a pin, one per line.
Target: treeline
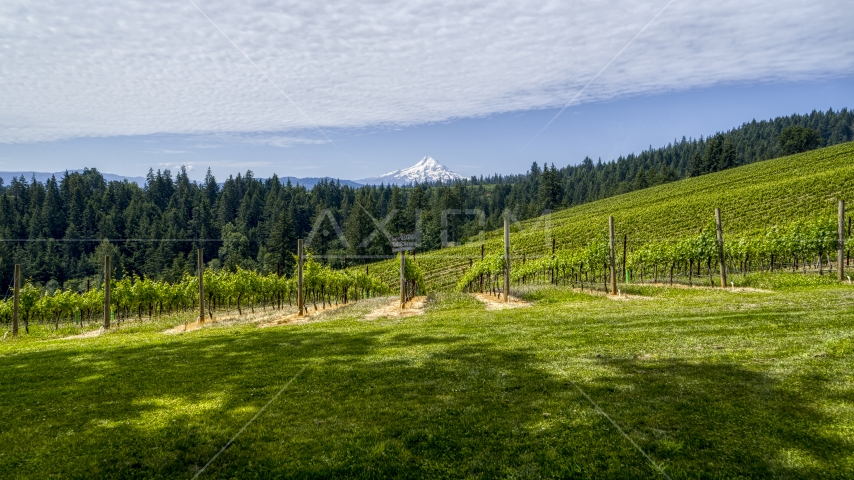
(550, 187)
(60, 230)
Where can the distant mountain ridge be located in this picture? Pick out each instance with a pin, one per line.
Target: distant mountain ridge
(310, 182)
(426, 170)
(42, 177)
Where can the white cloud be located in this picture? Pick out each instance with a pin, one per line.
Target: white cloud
(166, 151)
(176, 166)
(238, 164)
(190, 166)
(218, 140)
(102, 68)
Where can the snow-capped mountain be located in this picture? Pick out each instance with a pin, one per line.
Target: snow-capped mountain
(426, 170)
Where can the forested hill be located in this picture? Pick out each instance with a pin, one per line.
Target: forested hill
(57, 229)
(751, 142)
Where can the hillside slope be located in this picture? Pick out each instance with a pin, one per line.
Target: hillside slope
(751, 198)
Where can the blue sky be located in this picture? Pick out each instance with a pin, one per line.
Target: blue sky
(502, 143)
(355, 89)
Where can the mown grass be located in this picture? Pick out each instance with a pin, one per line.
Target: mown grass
(709, 383)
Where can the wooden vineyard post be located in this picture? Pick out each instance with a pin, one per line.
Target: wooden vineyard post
(612, 256)
(16, 302)
(107, 274)
(625, 242)
(482, 249)
(402, 278)
(201, 287)
(300, 294)
(401, 244)
(841, 247)
(721, 259)
(506, 258)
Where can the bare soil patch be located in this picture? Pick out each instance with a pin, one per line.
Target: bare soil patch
(393, 310)
(493, 302)
(627, 298)
(310, 315)
(748, 290)
(188, 327)
(89, 334)
(230, 318)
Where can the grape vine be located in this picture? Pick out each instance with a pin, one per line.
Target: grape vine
(241, 290)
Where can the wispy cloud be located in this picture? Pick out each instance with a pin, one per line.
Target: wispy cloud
(256, 139)
(307, 167)
(190, 166)
(103, 68)
(239, 164)
(166, 151)
(231, 164)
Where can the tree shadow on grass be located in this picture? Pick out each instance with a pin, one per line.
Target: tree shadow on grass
(709, 420)
(387, 404)
(150, 409)
(462, 409)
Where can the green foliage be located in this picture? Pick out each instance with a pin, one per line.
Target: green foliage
(413, 272)
(797, 243)
(29, 301)
(576, 265)
(718, 154)
(797, 139)
(490, 268)
(588, 264)
(144, 296)
(801, 242)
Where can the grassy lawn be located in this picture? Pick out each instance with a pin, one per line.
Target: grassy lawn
(705, 383)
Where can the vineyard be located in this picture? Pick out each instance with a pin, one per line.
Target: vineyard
(431, 266)
(413, 276)
(766, 200)
(133, 297)
(801, 246)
